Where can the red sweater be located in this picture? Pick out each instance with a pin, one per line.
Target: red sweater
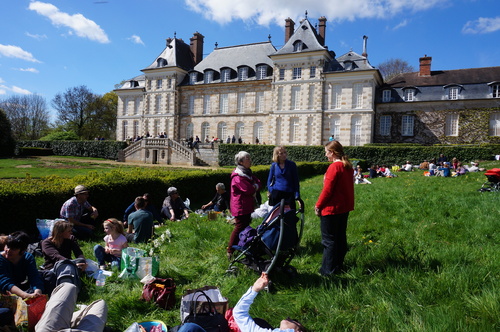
(337, 195)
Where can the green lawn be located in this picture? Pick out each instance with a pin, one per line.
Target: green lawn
(423, 257)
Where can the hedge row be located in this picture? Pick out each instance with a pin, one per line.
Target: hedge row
(23, 201)
(91, 149)
(388, 154)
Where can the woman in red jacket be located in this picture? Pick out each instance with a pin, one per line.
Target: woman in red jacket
(334, 204)
(244, 187)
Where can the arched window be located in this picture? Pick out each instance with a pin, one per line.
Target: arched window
(205, 130)
(356, 130)
(189, 130)
(240, 130)
(258, 132)
(221, 130)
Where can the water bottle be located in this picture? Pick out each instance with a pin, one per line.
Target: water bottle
(101, 279)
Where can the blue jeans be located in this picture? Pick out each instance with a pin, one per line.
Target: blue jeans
(103, 257)
(334, 241)
(191, 327)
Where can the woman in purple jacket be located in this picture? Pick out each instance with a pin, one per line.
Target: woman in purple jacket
(244, 187)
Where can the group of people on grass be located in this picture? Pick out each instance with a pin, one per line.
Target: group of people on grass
(335, 202)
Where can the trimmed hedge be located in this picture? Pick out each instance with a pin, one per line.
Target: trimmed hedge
(91, 149)
(367, 155)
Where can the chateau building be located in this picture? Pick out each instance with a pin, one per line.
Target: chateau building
(440, 107)
(300, 94)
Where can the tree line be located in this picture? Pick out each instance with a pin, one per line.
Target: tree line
(81, 114)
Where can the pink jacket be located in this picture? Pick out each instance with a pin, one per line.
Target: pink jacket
(242, 193)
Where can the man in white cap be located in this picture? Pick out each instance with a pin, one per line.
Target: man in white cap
(78, 211)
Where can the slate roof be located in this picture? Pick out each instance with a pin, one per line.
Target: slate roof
(177, 54)
(445, 77)
(351, 61)
(236, 56)
(305, 33)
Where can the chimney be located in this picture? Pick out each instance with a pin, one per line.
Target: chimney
(196, 46)
(322, 28)
(289, 28)
(425, 66)
(365, 53)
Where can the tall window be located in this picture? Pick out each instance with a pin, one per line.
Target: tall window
(222, 130)
(225, 75)
(124, 130)
(159, 84)
(209, 76)
(158, 104)
(297, 46)
(495, 124)
(191, 105)
(310, 129)
(240, 130)
(297, 73)
(385, 125)
(495, 90)
(407, 123)
(311, 97)
(125, 106)
(356, 130)
(295, 105)
(282, 74)
(358, 95)
(169, 83)
(189, 130)
(167, 106)
(312, 71)
(294, 130)
(157, 128)
(386, 96)
(205, 130)
(259, 102)
(206, 104)
(409, 94)
(336, 96)
(258, 131)
(280, 98)
(278, 131)
(241, 103)
(224, 104)
(451, 128)
(136, 128)
(335, 126)
(137, 106)
(193, 78)
(242, 73)
(453, 93)
(261, 72)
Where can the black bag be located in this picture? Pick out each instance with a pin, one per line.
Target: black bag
(211, 321)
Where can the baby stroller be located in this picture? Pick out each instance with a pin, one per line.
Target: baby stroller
(274, 243)
(493, 183)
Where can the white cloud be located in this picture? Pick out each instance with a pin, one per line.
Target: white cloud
(36, 36)
(19, 90)
(31, 70)
(265, 12)
(12, 51)
(79, 24)
(482, 25)
(4, 89)
(400, 25)
(136, 39)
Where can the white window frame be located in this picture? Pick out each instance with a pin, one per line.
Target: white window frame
(191, 105)
(280, 98)
(259, 102)
(159, 84)
(495, 90)
(208, 76)
(407, 125)
(335, 126)
(223, 104)
(240, 130)
(157, 127)
(356, 127)
(158, 104)
(495, 124)
(222, 130)
(294, 130)
(281, 74)
(242, 73)
(336, 96)
(225, 75)
(193, 78)
(261, 72)
(125, 106)
(453, 93)
(124, 130)
(295, 102)
(386, 96)
(451, 127)
(258, 130)
(358, 95)
(206, 104)
(241, 103)
(297, 73)
(312, 72)
(137, 106)
(205, 130)
(189, 130)
(385, 125)
(409, 94)
(310, 103)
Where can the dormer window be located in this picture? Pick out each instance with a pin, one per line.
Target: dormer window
(496, 91)
(225, 75)
(299, 46)
(409, 94)
(453, 91)
(193, 78)
(242, 73)
(261, 72)
(209, 76)
(386, 96)
(349, 65)
(161, 62)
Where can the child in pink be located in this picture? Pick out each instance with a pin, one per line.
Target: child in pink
(115, 241)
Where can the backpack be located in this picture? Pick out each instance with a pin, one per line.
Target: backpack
(67, 271)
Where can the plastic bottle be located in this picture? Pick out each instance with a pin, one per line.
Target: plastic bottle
(101, 279)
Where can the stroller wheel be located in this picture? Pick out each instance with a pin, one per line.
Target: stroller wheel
(232, 270)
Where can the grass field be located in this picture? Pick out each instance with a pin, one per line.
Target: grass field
(423, 256)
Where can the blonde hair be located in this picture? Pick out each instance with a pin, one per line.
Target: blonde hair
(276, 151)
(338, 150)
(116, 224)
(60, 227)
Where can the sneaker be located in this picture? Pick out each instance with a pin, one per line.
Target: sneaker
(102, 267)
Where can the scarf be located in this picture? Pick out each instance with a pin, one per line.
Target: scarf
(243, 171)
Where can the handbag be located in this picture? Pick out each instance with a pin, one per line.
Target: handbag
(161, 291)
(26, 311)
(136, 264)
(202, 305)
(211, 320)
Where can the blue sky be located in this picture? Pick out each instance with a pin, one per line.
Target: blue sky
(49, 46)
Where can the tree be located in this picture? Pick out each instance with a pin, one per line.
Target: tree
(28, 116)
(393, 67)
(7, 142)
(87, 114)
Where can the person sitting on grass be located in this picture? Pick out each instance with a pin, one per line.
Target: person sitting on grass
(78, 211)
(247, 323)
(149, 207)
(358, 176)
(115, 241)
(173, 207)
(220, 202)
(408, 167)
(140, 223)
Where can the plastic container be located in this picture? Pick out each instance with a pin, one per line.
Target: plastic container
(149, 324)
(101, 279)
